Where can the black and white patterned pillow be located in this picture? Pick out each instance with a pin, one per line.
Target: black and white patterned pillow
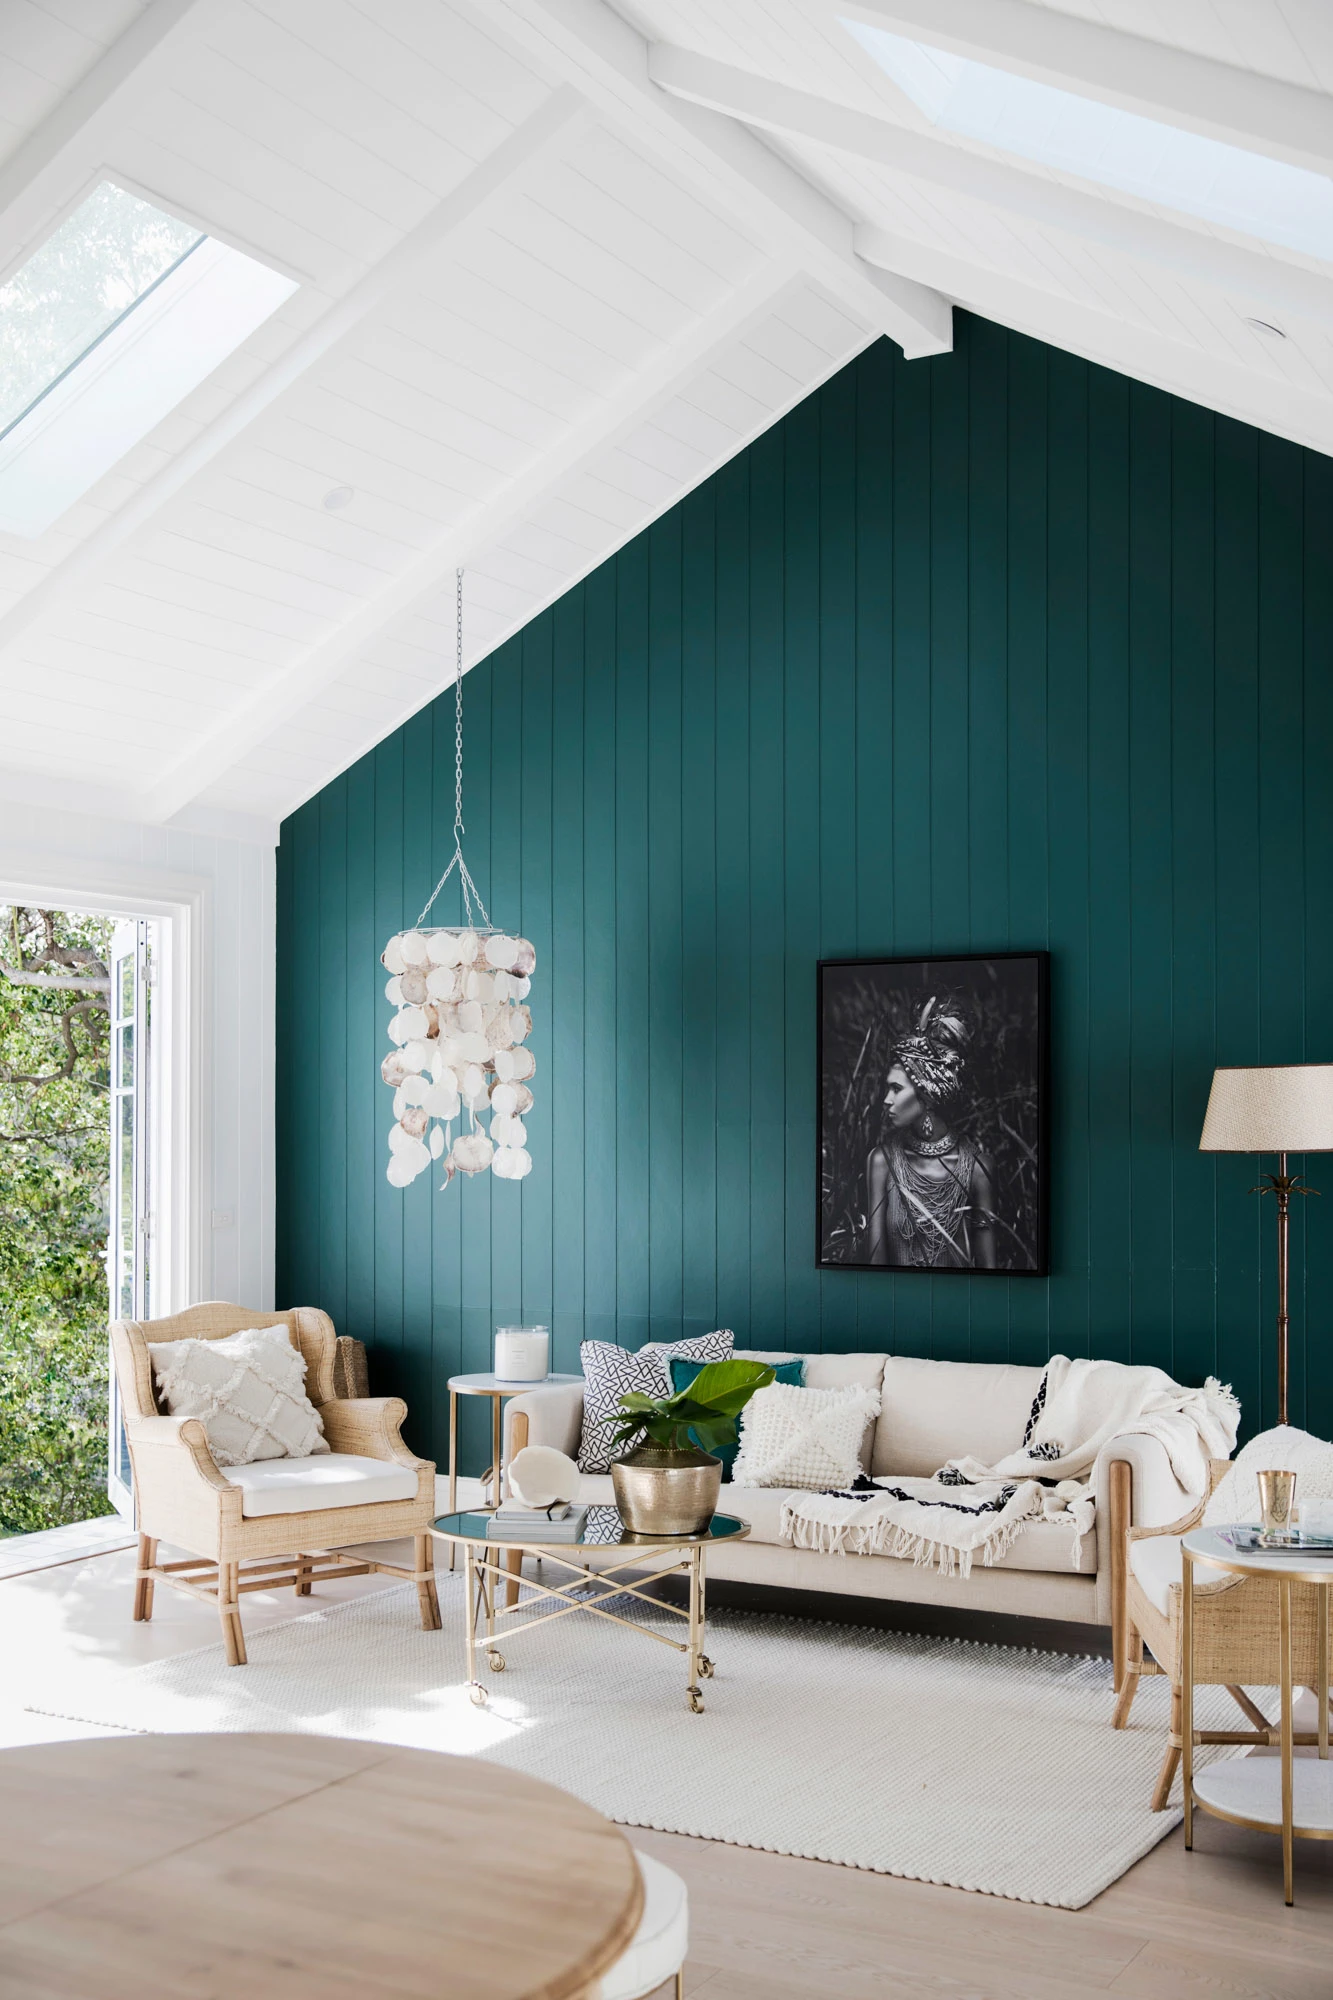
(612, 1372)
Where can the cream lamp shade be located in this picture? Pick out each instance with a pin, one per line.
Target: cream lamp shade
(1287, 1109)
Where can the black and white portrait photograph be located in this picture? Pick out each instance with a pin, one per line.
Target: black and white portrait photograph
(932, 1113)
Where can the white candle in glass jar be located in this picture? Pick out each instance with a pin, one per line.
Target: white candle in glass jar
(522, 1353)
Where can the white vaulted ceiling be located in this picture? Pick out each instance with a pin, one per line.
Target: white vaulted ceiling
(556, 261)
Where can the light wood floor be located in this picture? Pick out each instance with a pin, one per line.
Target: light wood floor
(1206, 1926)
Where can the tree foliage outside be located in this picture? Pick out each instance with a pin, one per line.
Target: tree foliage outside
(54, 1195)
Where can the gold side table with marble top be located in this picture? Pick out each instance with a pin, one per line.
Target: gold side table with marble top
(1286, 1795)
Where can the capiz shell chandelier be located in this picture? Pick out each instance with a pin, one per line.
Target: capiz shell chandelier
(458, 1034)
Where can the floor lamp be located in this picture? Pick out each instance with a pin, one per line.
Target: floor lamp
(1282, 1110)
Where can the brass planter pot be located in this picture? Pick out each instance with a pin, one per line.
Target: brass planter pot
(664, 1492)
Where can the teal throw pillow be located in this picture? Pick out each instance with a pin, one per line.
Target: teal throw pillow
(684, 1372)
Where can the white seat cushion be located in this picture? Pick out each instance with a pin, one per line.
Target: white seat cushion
(1156, 1566)
(305, 1485)
(662, 1940)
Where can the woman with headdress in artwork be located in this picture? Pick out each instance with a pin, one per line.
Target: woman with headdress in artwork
(931, 1196)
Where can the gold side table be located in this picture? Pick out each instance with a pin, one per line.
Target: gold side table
(498, 1389)
(1286, 1795)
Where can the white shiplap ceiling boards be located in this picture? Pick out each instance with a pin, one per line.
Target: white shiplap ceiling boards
(556, 261)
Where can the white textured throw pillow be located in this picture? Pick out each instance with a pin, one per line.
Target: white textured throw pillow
(612, 1372)
(1284, 1449)
(248, 1391)
(803, 1437)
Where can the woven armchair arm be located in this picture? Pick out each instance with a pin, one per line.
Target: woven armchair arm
(1217, 1468)
(370, 1427)
(185, 1438)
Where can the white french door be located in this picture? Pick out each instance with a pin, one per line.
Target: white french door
(131, 1278)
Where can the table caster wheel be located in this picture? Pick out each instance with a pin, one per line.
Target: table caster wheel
(478, 1695)
(496, 1662)
(705, 1667)
(696, 1700)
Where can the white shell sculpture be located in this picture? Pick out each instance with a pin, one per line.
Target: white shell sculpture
(541, 1476)
(460, 1018)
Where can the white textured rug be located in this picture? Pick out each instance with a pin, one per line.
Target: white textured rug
(985, 1767)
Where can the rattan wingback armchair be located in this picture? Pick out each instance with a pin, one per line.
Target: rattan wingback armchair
(284, 1521)
(1235, 1636)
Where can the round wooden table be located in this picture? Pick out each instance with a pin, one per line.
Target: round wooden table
(300, 1868)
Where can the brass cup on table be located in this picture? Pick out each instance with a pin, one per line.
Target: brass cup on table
(1277, 1491)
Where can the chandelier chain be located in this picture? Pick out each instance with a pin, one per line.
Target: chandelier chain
(471, 894)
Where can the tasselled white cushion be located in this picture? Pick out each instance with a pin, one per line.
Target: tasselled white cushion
(247, 1390)
(809, 1438)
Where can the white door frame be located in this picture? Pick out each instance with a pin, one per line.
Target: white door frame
(180, 1101)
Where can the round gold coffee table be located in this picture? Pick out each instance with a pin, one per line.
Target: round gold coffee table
(276, 1867)
(587, 1586)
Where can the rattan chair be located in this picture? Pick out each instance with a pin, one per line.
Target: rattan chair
(278, 1528)
(1235, 1635)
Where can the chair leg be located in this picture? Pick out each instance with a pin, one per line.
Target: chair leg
(427, 1595)
(1129, 1686)
(302, 1576)
(143, 1585)
(229, 1610)
(1170, 1762)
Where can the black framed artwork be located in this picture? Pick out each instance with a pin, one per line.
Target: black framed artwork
(933, 1107)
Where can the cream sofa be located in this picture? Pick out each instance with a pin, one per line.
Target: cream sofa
(930, 1411)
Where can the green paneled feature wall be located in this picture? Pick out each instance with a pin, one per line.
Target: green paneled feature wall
(995, 650)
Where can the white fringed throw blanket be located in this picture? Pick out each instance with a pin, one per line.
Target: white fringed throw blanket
(973, 1512)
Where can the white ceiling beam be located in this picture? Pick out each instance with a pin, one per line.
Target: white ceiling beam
(517, 502)
(524, 154)
(51, 167)
(1179, 367)
(591, 47)
(1264, 280)
(1157, 81)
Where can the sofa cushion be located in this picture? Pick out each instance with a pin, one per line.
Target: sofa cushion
(804, 1437)
(1043, 1545)
(933, 1411)
(683, 1372)
(832, 1371)
(611, 1372)
(305, 1485)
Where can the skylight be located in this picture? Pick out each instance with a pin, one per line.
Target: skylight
(121, 312)
(1160, 163)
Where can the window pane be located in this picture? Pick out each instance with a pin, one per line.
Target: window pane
(126, 989)
(98, 264)
(127, 1058)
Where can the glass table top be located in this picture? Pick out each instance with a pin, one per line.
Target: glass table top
(602, 1529)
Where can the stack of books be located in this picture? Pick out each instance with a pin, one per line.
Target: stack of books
(512, 1521)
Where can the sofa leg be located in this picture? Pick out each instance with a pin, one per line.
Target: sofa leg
(514, 1566)
(1121, 1496)
(428, 1596)
(143, 1585)
(1170, 1762)
(229, 1610)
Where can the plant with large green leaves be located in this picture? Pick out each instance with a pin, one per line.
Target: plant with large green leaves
(710, 1408)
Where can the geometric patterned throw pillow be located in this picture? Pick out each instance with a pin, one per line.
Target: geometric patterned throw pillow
(612, 1372)
(248, 1391)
